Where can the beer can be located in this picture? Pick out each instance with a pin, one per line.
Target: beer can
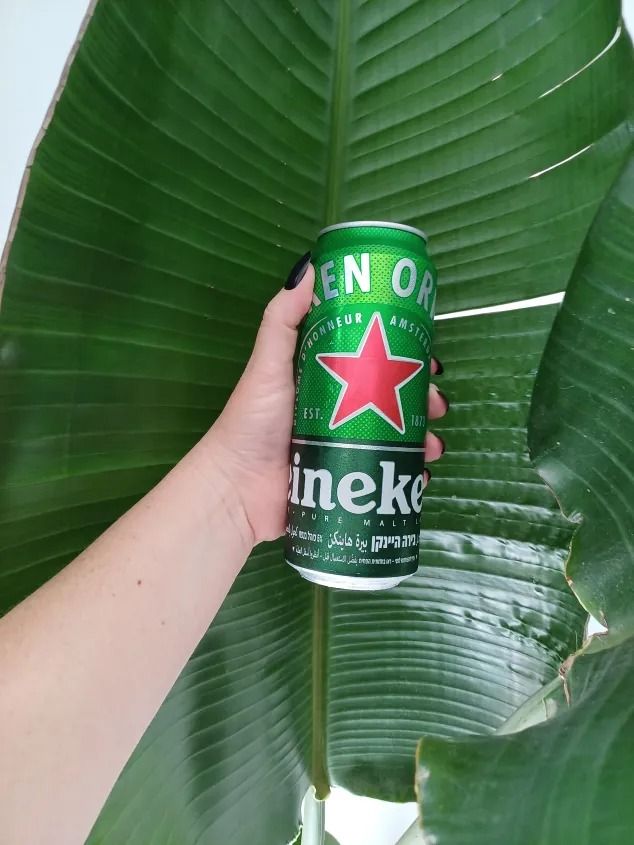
(362, 375)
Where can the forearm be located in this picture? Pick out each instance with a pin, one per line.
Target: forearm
(86, 661)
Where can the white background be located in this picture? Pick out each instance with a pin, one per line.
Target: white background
(35, 39)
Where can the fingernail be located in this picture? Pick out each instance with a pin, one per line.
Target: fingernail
(426, 476)
(439, 367)
(444, 399)
(442, 443)
(298, 271)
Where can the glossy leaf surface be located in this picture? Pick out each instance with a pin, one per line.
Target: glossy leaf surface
(573, 773)
(583, 415)
(569, 779)
(488, 618)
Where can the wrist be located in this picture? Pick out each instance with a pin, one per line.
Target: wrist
(220, 491)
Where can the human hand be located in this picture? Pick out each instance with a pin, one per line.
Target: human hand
(252, 435)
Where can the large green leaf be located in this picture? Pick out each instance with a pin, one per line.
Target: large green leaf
(488, 617)
(583, 414)
(570, 779)
(567, 780)
(192, 156)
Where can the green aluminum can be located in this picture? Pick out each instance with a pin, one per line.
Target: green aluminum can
(356, 469)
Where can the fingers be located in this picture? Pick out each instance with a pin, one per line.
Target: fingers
(437, 407)
(277, 336)
(434, 447)
(437, 403)
(289, 307)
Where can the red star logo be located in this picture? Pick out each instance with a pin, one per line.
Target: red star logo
(371, 378)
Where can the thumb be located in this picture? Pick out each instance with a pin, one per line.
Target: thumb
(277, 337)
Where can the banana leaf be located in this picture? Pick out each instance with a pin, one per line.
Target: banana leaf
(192, 154)
(569, 779)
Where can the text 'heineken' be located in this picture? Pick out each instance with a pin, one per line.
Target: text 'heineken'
(356, 475)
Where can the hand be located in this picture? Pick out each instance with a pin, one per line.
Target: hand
(251, 437)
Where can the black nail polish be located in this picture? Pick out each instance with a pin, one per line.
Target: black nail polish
(445, 400)
(427, 475)
(442, 443)
(439, 368)
(298, 272)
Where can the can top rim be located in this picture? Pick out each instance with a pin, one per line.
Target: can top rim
(378, 223)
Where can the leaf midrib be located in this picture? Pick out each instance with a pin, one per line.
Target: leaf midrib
(338, 115)
(332, 214)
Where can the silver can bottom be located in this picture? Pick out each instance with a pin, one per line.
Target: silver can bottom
(348, 582)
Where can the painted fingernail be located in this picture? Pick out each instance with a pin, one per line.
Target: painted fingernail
(298, 271)
(426, 476)
(445, 400)
(443, 444)
(439, 367)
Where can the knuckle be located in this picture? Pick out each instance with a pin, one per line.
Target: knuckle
(269, 315)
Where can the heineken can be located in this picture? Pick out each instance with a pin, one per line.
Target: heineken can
(362, 370)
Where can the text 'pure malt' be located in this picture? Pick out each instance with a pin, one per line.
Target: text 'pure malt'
(356, 474)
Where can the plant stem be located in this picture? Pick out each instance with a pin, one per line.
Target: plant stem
(314, 826)
(320, 669)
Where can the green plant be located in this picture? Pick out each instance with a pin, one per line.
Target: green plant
(192, 155)
(578, 764)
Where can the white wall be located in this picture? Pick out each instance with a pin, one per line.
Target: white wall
(35, 39)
